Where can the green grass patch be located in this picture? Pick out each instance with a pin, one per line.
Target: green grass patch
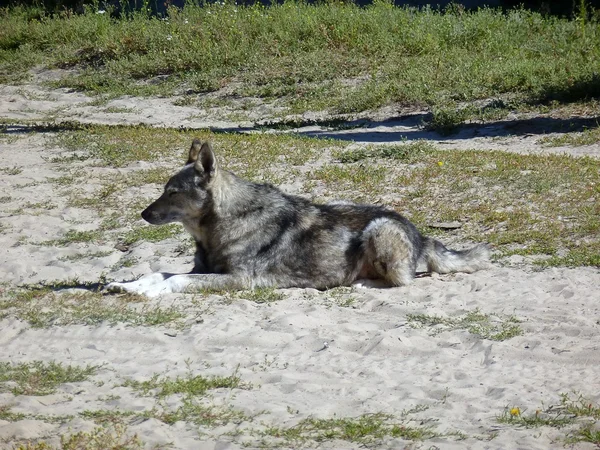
(246, 154)
(190, 385)
(410, 152)
(513, 416)
(367, 429)
(8, 415)
(567, 413)
(40, 378)
(11, 170)
(575, 139)
(261, 295)
(74, 237)
(151, 233)
(485, 326)
(113, 437)
(523, 204)
(44, 306)
(337, 56)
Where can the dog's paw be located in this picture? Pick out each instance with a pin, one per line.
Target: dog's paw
(120, 288)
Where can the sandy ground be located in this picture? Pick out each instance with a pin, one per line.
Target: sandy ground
(311, 354)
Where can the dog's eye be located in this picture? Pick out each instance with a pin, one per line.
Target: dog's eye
(172, 193)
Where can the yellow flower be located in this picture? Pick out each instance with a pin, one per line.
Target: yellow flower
(440, 163)
(515, 411)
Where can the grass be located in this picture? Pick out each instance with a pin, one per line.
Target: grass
(114, 437)
(523, 204)
(40, 378)
(568, 413)
(73, 237)
(247, 154)
(151, 234)
(8, 415)
(485, 326)
(335, 56)
(588, 137)
(190, 385)
(410, 152)
(44, 306)
(261, 295)
(366, 429)
(191, 389)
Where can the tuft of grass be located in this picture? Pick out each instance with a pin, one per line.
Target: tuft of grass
(485, 326)
(575, 139)
(8, 415)
(11, 170)
(114, 437)
(587, 433)
(568, 412)
(40, 378)
(539, 418)
(365, 430)
(409, 152)
(74, 236)
(43, 306)
(151, 233)
(261, 295)
(190, 385)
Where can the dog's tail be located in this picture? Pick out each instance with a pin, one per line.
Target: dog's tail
(443, 260)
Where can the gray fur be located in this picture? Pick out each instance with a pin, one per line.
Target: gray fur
(254, 235)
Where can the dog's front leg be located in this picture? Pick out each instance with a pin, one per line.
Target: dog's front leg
(157, 284)
(140, 285)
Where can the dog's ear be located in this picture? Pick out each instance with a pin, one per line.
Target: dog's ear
(204, 162)
(194, 151)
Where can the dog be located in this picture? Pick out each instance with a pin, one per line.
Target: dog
(251, 235)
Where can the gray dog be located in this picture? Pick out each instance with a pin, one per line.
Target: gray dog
(253, 235)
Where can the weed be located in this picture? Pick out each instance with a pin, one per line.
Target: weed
(567, 413)
(151, 234)
(8, 415)
(42, 307)
(190, 385)
(11, 170)
(261, 295)
(113, 437)
(40, 378)
(481, 325)
(366, 429)
(72, 237)
(576, 139)
(409, 152)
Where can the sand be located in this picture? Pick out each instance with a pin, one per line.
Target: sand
(311, 354)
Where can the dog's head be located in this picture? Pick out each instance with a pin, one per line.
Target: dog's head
(187, 196)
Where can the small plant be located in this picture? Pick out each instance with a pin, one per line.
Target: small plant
(8, 415)
(151, 233)
(42, 307)
(261, 295)
(113, 437)
(366, 430)
(40, 378)
(190, 385)
(483, 325)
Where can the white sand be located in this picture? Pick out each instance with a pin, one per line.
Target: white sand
(375, 360)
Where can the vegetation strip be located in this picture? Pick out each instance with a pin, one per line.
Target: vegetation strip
(41, 378)
(325, 56)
